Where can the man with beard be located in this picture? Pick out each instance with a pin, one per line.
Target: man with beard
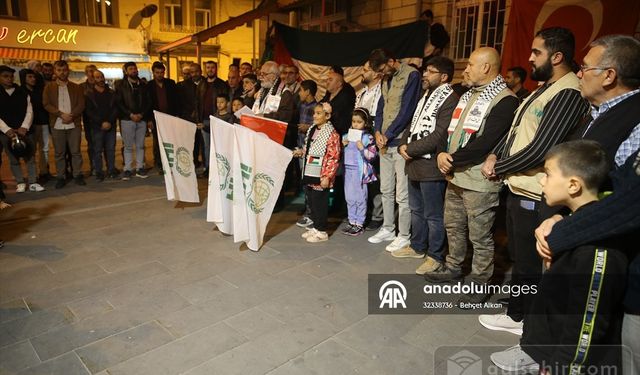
(480, 120)
(101, 113)
(133, 103)
(400, 94)
(64, 100)
(207, 93)
(543, 120)
(421, 141)
(368, 98)
(164, 98)
(274, 100)
(515, 79)
(87, 87)
(47, 72)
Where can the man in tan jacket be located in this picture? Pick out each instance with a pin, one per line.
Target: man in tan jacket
(64, 101)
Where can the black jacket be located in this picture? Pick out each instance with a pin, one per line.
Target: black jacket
(342, 106)
(131, 101)
(419, 168)
(97, 113)
(173, 98)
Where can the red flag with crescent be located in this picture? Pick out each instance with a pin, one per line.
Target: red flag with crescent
(587, 19)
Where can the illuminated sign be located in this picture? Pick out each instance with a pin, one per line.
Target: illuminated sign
(48, 36)
(72, 38)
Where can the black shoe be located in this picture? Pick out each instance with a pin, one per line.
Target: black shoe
(374, 225)
(44, 178)
(355, 230)
(472, 298)
(113, 174)
(126, 176)
(347, 229)
(60, 183)
(442, 275)
(141, 173)
(100, 176)
(79, 180)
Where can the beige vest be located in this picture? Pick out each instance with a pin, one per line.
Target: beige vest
(471, 177)
(528, 183)
(392, 95)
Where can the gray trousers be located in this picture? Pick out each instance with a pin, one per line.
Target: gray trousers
(394, 189)
(473, 211)
(133, 136)
(631, 342)
(62, 139)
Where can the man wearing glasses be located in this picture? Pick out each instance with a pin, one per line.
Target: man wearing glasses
(543, 120)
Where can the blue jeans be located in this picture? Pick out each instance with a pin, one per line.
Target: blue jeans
(426, 202)
(133, 137)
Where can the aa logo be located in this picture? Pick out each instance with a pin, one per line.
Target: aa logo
(224, 171)
(180, 158)
(392, 293)
(259, 190)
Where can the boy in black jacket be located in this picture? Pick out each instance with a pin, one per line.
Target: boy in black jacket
(576, 315)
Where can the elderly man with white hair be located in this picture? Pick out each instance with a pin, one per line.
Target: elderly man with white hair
(275, 101)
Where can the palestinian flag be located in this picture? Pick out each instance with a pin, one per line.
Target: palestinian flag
(315, 52)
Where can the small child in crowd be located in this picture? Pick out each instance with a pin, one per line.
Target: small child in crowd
(222, 104)
(322, 157)
(236, 105)
(249, 87)
(358, 170)
(307, 94)
(576, 316)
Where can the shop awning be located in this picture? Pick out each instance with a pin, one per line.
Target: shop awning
(29, 54)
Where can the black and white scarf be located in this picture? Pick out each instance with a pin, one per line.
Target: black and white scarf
(474, 118)
(317, 148)
(426, 113)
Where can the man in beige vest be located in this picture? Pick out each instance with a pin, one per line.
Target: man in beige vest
(481, 118)
(543, 120)
(400, 94)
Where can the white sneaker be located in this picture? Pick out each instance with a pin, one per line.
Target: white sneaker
(318, 236)
(515, 359)
(501, 322)
(36, 187)
(382, 235)
(397, 244)
(21, 188)
(308, 232)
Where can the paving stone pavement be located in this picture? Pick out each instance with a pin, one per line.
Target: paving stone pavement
(111, 278)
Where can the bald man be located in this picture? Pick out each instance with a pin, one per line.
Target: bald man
(481, 118)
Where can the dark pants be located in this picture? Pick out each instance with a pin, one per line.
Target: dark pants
(374, 198)
(523, 217)
(198, 149)
(157, 161)
(61, 140)
(104, 141)
(88, 136)
(426, 202)
(319, 201)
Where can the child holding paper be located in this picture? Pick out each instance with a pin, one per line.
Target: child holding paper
(359, 152)
(321, 159)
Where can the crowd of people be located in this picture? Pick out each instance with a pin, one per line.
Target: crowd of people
(421, 162)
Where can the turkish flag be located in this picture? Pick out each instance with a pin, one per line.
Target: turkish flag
(587, 19)
(273, 129)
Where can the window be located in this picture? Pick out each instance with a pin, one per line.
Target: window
(173, 14)
(10, 8)
(102, 12)
(470, 16)
(203, 14)
(69, 11)
(310, 16)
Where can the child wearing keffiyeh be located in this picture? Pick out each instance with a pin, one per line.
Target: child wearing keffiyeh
(321, 159)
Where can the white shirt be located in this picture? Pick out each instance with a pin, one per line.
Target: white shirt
(368, 98)
(26, 123)
(64, 106)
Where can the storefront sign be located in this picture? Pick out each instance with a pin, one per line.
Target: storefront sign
(70, 38)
